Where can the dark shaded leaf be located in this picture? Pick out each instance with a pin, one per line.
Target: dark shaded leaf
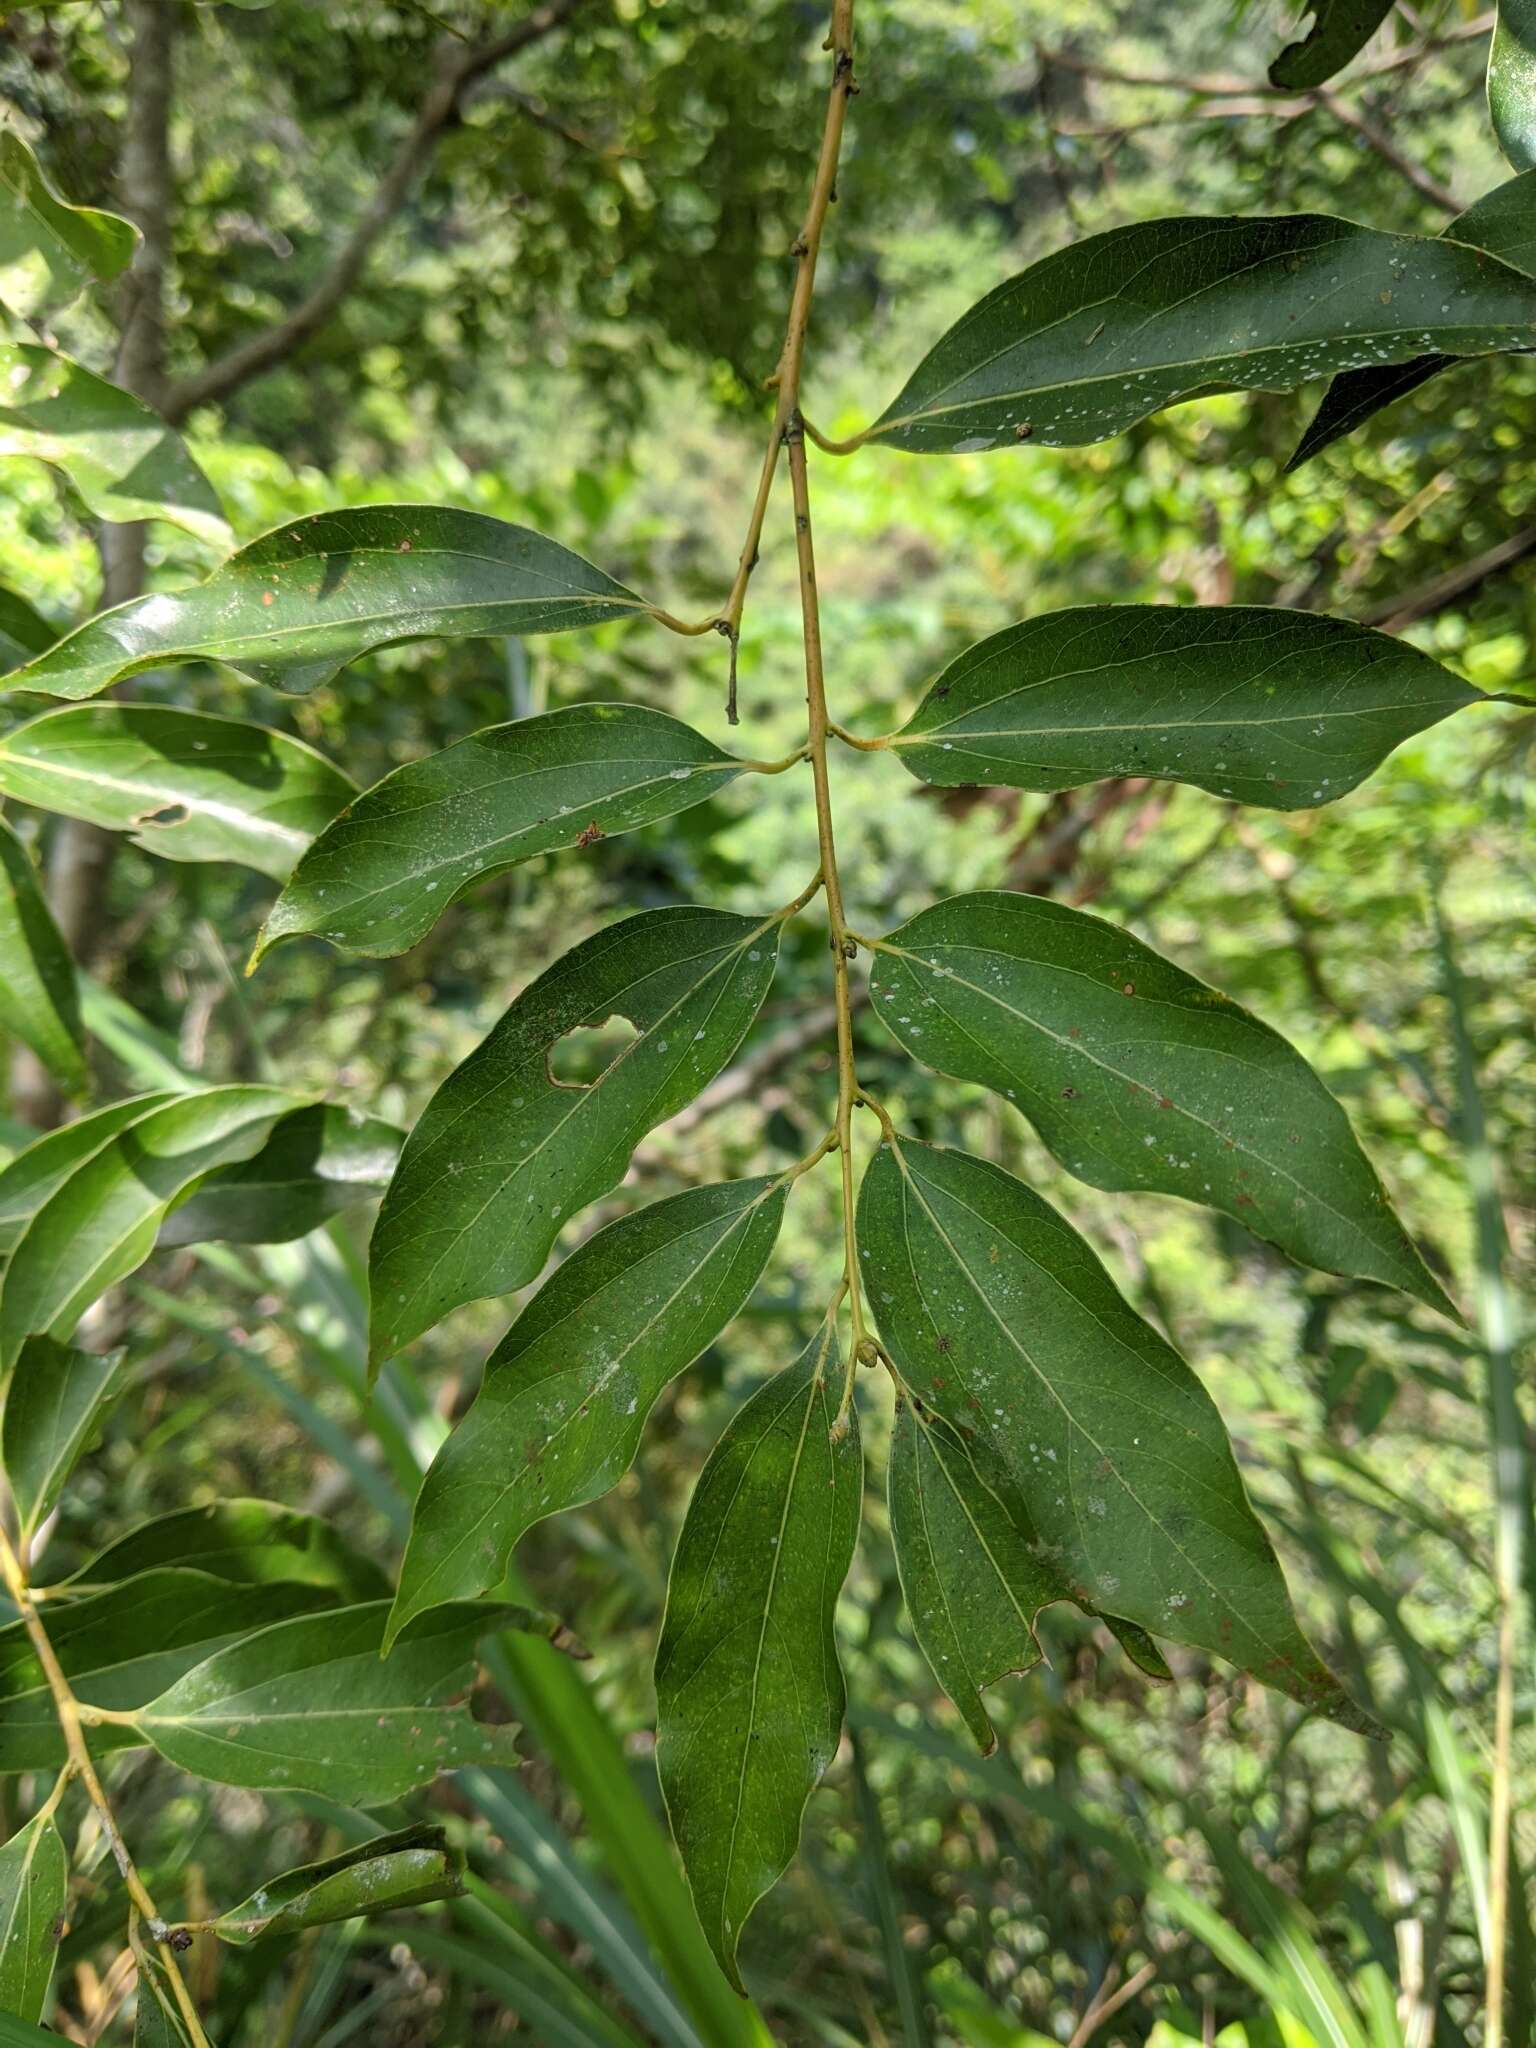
(23, 632)
(50, 250)
(1512, 82)
(410, 1868)
(53, 1407)
(158, 2020)
(39, 995)
(1340, 31)
(247, 1543)
(317, 1162)
(34, 1892)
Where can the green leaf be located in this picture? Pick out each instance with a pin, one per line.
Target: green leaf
(247, 1543)
(310, 1705)
(1281, 708)
(31, 1177)
(158, 2021)
(297, 605)
(388, 868)
(317, 1162)
(1003, 1322)
(39, 995)
(566, 1393)
(1512, 81)
(1340, 31)
(1111, 330)
(749, 1693)
(34, 1895)
(49, 250)
(183, 784)
(120, 1647)
(1138, 1076)
(54, 1405)
(1504, 223)
(100, 1223)
(123, 460)
(23, 632)
(503, 1155)
(410, 1868)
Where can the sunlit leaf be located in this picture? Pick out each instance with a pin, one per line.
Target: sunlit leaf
(1138, 1076)
(297, 605)
(409, 1868)
(39, 995)
(749, 1692)
(1102, 334)
(54, 1405)
(504, 1154)
(1340, 30)
(50, 250)
(38, 1169)
(387, 869)
(248, 1543)
(122, 458)
(317, 1162)
(34, 1892)
(1281, 708)
(181, 783)
(567, 1391)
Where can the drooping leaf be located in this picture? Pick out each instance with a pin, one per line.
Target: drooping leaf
(1281, 708)
(183, 784)
(247, 1543)
(122, 459)
(31, 1177)
(1512, 82)
(34, 1893)
(749, 1692)
(1340, 30)
(294, 607)
(121, 1646)
(310, 1705)
(566, 1393)
(504, 1154)
(409, 1868)
(388, 868)
(1004, 1323)
(39, 995)
(1504, 223)
(23, 632)
(317, 1162)
(50, 250)
(100, 1223)
(1139, 1076)
(53, 1407)
(158, 2021)
(1111, 330)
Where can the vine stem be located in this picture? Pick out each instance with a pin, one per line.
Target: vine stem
(67, 1710)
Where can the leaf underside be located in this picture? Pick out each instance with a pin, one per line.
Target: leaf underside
(1340, 31)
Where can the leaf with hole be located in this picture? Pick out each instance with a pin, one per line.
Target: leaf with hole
(504, 1153)
(49, 250)
(122, 459)
(247, 1543)
(101, 1222)
(1139, 1076)
(1111, 330)
(55, 1403)
(318, 1161)
(386, 870)
(34, 1897)
(1281, 708)
(749, 1692)
(1340, 31)
(412, 1867)
(182, 784)
(1003, 1322)
(296, 606)
(566, 1393)
(38, 1169)
(39, 994)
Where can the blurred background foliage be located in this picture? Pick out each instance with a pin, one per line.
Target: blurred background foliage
(566, 325)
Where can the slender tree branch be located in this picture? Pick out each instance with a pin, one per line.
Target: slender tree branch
(1376, 138)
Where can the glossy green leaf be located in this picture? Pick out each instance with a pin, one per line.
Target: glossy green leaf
(311, 1705)
(297, 605)
(100, 1223)
(1512, 82)
(39, 994)
(1003, 1322)
(749, 1692)
(1340, 30)
(1281, 708)
(566, 1393)
(248, 1543)
(23, 632)
(409, 1868)
(53, 1407)
(181, 783)
(317, 1162)
(503, 1155)
(386, 870)
(34, 1894)
(38, 1169)
(1138, 1076)
(1504, 223)
(50, 250)
(122, 1645)
(122, 459)
(1109, 331)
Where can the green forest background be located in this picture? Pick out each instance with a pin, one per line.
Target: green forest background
(566, 325)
